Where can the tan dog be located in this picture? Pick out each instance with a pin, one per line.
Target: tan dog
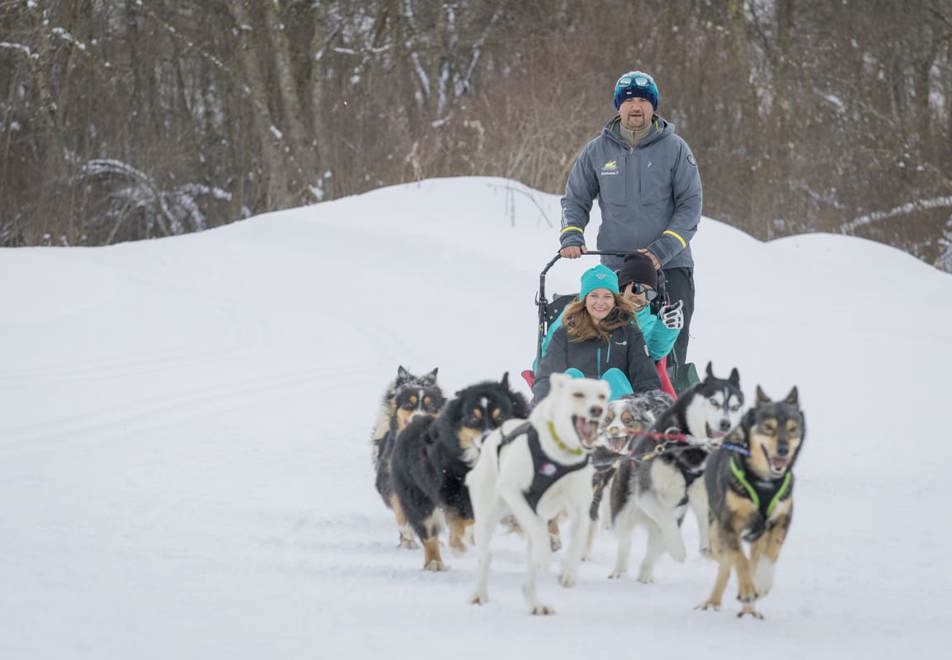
(750, 489)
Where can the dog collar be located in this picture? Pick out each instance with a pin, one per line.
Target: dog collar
(740, 449)
(558, 441)
(752, 492)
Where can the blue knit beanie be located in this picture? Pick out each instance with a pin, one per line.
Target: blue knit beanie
(598, 277)
(636, 84)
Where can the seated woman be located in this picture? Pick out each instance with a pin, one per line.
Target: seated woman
(598, 338)
(638, 282)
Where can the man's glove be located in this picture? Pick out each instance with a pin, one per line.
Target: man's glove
(672, 315)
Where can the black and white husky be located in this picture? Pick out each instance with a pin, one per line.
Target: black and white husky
(407, 397)
(535, 470)
(664, 471)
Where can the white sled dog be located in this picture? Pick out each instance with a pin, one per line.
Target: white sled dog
(535, 470)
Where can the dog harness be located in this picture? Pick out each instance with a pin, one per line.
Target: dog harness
(545, 471)
(765, 499)
(690, 470)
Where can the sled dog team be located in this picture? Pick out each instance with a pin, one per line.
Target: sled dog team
(483, 457)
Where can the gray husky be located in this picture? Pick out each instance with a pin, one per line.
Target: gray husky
(627, 418)
(661, 476)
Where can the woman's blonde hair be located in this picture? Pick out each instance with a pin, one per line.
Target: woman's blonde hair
(580, 326)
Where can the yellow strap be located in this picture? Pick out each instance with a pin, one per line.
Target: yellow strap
(683, 242)
(570, 228)
(558, 441)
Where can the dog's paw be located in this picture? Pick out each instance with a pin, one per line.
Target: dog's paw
(478, 599)
(409, 544)
(646, 577)
(709, 605)
(543, 610)
(436, 566)
(706, 552)
(749, 609)
(555, 543)
(568, 578)
(616, 575)
(746, 594)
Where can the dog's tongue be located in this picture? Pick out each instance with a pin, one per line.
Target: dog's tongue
(712, 434)
(585, 429)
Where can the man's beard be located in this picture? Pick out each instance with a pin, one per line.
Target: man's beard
(635, 123)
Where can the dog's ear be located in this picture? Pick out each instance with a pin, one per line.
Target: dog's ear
(761, 396)
(402, 375)
(504, 381)
(735, 377)
(520, 407)
(709, 369)
(794, 397)
(558, 380)
(431, 377)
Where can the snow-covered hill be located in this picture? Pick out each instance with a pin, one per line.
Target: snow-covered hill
(185, 469)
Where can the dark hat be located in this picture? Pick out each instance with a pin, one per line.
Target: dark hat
(637, 268)
(636, 84)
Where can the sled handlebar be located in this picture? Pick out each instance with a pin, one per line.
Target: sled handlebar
(595, 252)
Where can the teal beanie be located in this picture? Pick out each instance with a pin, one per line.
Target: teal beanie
(598, 277)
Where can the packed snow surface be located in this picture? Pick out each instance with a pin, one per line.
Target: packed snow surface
(184, 440)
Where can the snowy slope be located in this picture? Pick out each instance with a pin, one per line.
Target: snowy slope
(185, 469)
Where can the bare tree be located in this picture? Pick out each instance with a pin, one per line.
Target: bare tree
(122, 119)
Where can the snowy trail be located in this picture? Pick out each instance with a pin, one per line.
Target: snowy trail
(185, 462)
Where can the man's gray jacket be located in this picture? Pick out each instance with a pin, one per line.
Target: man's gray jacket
(649, 196)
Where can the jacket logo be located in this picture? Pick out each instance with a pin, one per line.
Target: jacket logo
(610, 168)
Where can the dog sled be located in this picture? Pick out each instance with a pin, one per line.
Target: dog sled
(675, 378)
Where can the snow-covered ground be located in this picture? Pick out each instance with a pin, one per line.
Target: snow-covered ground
(184, 440)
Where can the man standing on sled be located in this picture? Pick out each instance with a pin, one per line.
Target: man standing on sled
(649, 191)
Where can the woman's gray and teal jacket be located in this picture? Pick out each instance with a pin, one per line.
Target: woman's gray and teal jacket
(625, 350)
(650, 195)
(658, 337)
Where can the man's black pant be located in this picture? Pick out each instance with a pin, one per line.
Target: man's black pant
(680, 284)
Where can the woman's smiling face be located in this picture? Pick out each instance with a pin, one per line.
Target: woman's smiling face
(599, 303)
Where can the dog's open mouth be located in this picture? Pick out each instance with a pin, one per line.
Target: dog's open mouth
(778, 464)
(713, 435)
(586, 429)
(617, 443)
